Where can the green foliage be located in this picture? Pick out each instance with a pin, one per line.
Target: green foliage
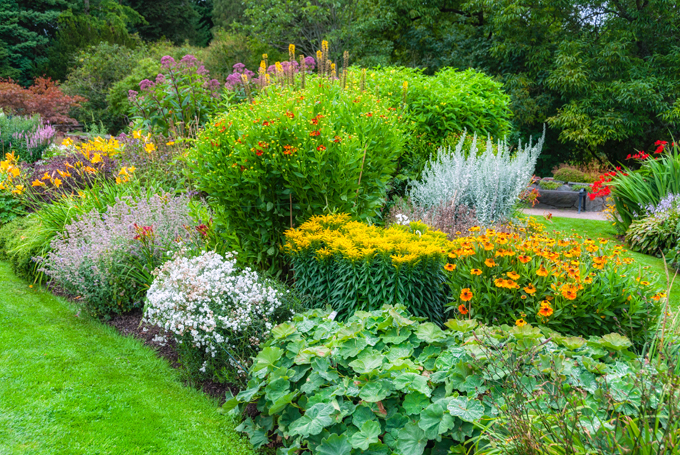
(10, 208)
(567, 174)
(175, 20)
(294, 154)
(98, 21)
(226, 49)
(97, 70)
(356, 267)
(385, 382)
(25, 136)
(27, 27)
(634, 191)
(655, 235)
(21, 240)
(547, 185)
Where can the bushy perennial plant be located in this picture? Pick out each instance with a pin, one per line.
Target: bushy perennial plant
(292, 154)
(573, 285)
(489, 182)
(659, 232)
(356, 267)
(218, 313)
(96, 255)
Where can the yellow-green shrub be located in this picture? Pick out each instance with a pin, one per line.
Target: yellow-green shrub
(354, 266)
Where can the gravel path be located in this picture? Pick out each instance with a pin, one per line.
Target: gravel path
(566, 214)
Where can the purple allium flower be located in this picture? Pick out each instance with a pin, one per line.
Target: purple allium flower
(132, 95)
(146, 84)
(167, 62)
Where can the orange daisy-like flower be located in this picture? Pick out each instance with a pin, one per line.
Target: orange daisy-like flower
(545, 311)
(450, 267)
(476, 272)
(462, 309)
(499, 282)
(488, 246)
(321, 148)
(490, 262)
(520, 322)
(530, 289)
(513, 275)
(542, 271)
(453, 255)
(466, 295)
(524, 259)
(474, 229)
(569, 293)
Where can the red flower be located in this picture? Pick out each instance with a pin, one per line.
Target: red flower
(202, 229)
(321, 148)
(289, 114)
(336, 139)
(315, 121)
(315, 133)
(660, 145)
(368, 114)
(258, 152)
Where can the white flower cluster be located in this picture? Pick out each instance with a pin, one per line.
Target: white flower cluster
(490, 182)
(208, 301)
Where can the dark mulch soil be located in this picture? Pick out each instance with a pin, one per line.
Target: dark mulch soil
(131, 325)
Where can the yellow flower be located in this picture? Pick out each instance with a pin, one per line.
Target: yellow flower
(46, 176)
(466, 295)
(150, 147)
(97, 158)
(542, 271)
(57, 182)
(137, 134)
(545, 311)
(450, 267)
(520, 323)
(68, 142)
(170, 143)
(476, 272)
(490, 262)
(19, 189)
(38, 183)
(530, 289)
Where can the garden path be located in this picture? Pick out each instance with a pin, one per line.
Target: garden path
(72, 385)
(566, 214)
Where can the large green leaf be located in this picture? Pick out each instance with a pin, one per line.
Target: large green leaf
(283, 330)
(465, 409)
(267, 358)
(314, 421)
(368, 434)
(411, 440)
(435, 420)
(334, 445)
(412, 382)
(430, 333)
(415, 402)
(376, 390)
(615, 342)
(367, 362)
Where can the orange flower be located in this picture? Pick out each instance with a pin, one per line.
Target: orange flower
(524, 259)
(321, 148)
(466, 295)
(38, 183)
(476, 272)
(569, 293)
(450, 267)
(530, 289)
(542, 271)
(488, 246)
(545, 311)
(463, 309)
(513, 275)
(490, 262)
(474, 229)
(520, 322)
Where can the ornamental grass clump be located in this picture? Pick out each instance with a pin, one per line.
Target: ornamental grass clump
(218, 313)
(356, 267)
(488, 181)
(573, 285)
(293, 154)
(105, 258)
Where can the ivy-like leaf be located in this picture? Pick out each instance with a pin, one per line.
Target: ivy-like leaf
(334, 445)
(467, 410)
(314, 421)
(368, 434)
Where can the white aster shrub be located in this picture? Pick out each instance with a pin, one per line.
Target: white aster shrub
(218, 313)
(490, 182)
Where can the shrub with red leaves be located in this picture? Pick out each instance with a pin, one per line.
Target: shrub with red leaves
(44, 97)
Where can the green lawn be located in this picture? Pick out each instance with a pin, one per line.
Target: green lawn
(604, 229)
(72, 385)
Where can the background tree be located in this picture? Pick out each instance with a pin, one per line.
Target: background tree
(175, 20)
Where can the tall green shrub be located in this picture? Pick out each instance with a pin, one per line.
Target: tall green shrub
(292, 154)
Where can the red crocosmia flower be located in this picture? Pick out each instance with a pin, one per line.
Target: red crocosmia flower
(321, 148)
(629, 156)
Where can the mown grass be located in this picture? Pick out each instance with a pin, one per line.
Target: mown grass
(604, 229)
(72, 385)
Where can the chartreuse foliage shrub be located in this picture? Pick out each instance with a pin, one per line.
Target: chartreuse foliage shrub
(574, 285)
(356, 267)
(293, 154)
(385, 382)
